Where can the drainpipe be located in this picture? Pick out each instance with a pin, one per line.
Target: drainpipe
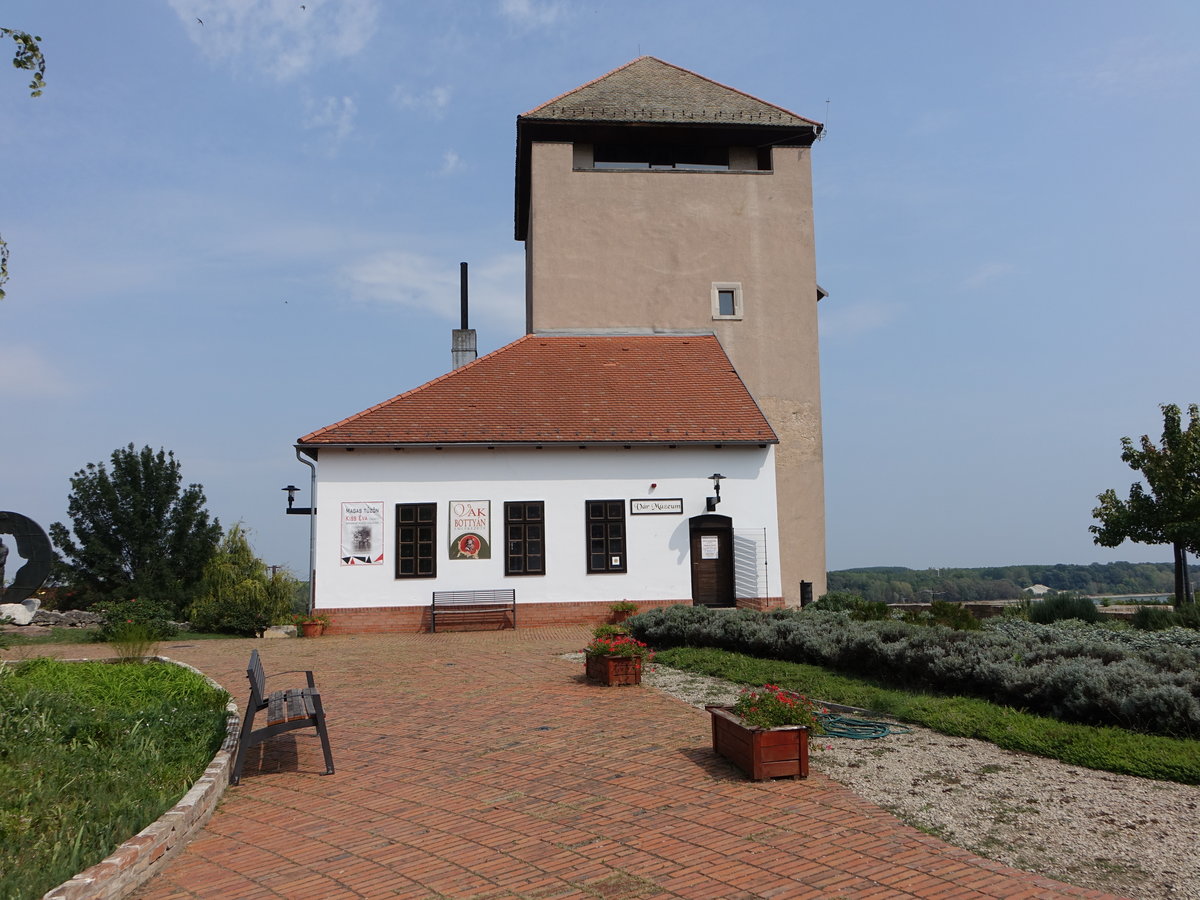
(312, 531)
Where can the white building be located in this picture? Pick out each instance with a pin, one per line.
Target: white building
(575, 470)
(671, 304)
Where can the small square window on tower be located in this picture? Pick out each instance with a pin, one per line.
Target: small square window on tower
(726, 300)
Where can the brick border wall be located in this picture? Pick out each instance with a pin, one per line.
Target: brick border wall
(415, 619)
(145, 854)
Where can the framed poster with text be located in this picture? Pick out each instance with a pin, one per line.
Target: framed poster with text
(362, 533)
(470, 529)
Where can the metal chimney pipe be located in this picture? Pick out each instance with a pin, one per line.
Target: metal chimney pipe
(462, 290)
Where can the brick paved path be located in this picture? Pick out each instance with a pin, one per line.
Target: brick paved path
(481, 765)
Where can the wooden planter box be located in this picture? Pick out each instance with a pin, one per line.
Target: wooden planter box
(612, 670)
(760, 752)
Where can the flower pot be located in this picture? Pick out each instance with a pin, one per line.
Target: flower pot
(760, 752)
(610, 670)
(616, 618)
(312, 629)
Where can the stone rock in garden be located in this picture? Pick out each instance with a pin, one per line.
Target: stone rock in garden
(20, 613)
(71, 618)
(280, 631)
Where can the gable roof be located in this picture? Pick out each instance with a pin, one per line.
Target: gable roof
(556, 389)
(650, 90)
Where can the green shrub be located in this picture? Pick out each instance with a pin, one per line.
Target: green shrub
(1188, 616)
(151, 616)
(949, 615)
(236, 593)
(837, 601)
(1152, 618)
(1070, 670)
(1106, 748)
(1056, 607)
(859, 609)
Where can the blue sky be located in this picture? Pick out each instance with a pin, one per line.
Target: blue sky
(227, 234)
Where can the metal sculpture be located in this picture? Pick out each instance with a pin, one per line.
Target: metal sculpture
(34, 546)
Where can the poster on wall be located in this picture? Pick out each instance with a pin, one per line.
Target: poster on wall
(362, 533)
(470, 529)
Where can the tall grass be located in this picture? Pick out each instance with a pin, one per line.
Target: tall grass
(1094, 747)
(91, 753)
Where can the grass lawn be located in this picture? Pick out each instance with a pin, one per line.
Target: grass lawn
(90, 754)
(1106, 748)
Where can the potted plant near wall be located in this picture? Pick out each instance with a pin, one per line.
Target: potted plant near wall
(614, 659)
(311, 624)
(765, 733)
(621, 610)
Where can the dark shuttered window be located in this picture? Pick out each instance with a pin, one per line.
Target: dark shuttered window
(525, 538)
(605, 535)
(416, 540)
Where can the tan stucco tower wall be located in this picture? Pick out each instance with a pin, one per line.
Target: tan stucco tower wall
(645, 249)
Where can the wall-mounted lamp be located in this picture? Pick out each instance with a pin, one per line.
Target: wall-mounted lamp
(711, 502)
(292, 509)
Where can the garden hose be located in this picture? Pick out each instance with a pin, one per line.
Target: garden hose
(835, 725)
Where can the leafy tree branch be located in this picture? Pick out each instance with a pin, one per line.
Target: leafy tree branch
(1167, 509)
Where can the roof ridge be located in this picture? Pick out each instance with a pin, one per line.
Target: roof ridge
(677, 68)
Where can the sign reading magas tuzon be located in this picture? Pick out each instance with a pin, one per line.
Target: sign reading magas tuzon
(671, 506)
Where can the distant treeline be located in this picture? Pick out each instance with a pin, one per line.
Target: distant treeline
(896, 584)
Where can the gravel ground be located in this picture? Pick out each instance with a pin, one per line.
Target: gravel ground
(1115, 833)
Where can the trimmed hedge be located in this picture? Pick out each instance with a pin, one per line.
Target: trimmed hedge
(1142, 681)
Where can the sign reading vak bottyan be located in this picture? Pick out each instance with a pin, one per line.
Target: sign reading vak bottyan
(470, 529)
(672, 506)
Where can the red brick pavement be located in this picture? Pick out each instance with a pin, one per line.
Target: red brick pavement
(481, 765)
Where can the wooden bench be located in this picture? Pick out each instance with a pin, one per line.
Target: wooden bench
(473, 605)
(287, 710)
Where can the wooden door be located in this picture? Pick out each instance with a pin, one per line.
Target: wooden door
(712, 560)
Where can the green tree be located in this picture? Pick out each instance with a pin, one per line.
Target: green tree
(28, 56)
(236, 594)
(135, 531)
(1167, 513)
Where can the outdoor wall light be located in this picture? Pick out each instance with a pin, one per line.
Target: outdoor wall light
(292, 509)
(711, 502)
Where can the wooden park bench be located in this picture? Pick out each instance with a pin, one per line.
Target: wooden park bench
(287, 710)
(473, 606)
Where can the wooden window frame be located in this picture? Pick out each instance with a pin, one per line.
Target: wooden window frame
(606, 537)
(410, 543)
(524, 536)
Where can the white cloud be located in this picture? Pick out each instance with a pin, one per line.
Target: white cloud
(25, 373)
(432, 102)
(985, 274)
(532, 13)
(283, 38)
(334, 115)
(429, 284)
(847, 320)
(451, 163)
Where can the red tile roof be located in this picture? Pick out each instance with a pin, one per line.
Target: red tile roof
(544, 389)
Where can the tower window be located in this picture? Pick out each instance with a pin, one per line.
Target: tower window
(726, 300)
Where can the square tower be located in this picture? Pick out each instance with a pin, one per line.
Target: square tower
(654, 200)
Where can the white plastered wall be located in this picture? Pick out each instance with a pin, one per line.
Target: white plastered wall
(658, 560)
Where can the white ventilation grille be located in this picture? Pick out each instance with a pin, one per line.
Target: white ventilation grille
(750, 562)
